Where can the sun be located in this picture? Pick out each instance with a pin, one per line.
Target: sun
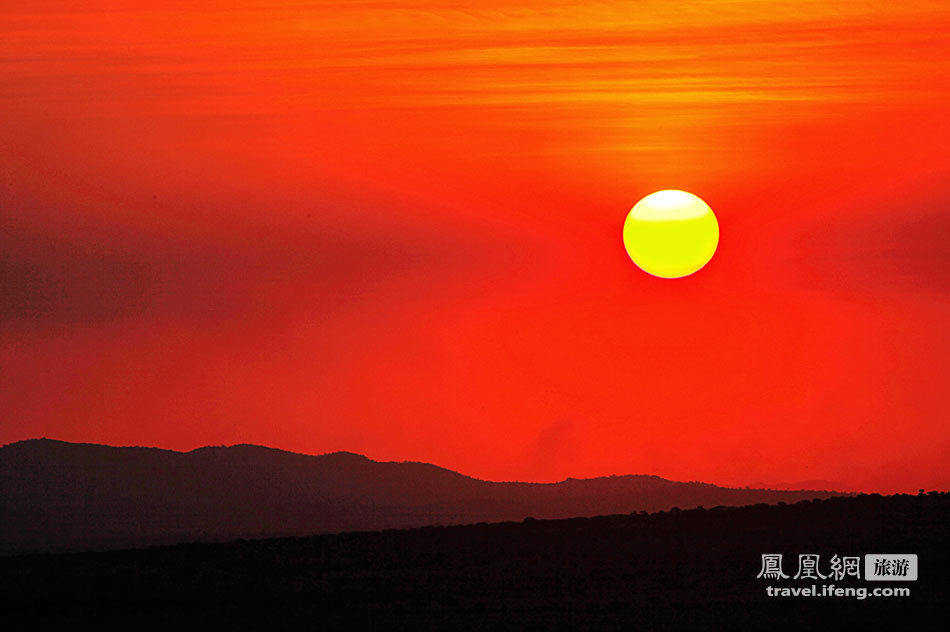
(671, 234)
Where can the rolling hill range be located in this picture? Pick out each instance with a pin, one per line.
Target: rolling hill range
(57, 496)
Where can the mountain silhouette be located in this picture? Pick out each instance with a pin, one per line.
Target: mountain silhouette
(57, 496)
(818, 483)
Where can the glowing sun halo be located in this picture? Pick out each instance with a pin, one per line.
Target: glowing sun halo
(671, 234)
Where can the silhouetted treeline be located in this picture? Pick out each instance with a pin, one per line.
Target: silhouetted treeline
(682, 569)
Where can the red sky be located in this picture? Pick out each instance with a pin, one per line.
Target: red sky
(393, 227)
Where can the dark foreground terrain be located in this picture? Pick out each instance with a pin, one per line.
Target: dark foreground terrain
(675, 570)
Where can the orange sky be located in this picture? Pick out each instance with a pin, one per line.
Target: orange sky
(394, 228)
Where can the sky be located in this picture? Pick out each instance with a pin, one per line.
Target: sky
(394, 227)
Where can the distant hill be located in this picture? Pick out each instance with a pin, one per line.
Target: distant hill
(822, 484)
(58, 496)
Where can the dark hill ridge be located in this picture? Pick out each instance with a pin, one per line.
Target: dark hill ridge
(56, 495)
(676, 570)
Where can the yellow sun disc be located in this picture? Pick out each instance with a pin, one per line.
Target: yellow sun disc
(671, 234)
